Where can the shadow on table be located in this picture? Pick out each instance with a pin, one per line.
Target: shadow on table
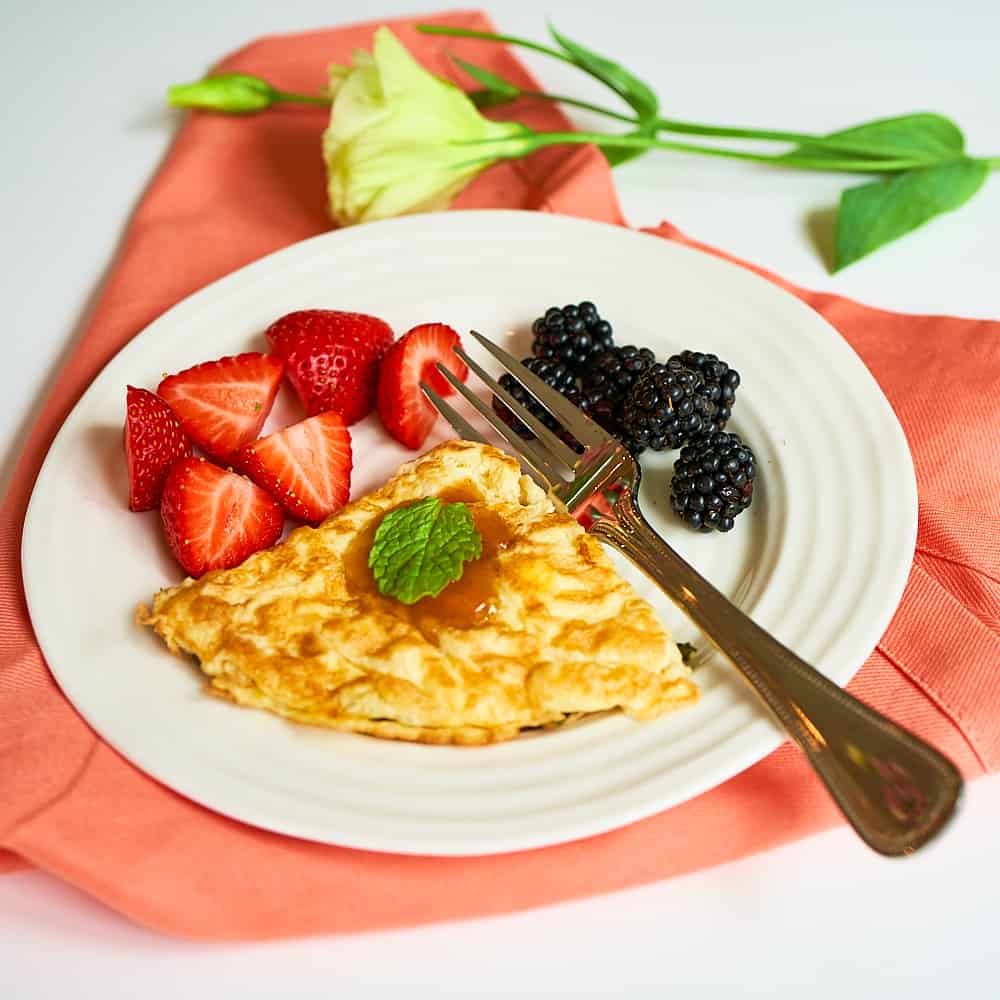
(821, 227)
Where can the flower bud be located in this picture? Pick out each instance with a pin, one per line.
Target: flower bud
(237, 93)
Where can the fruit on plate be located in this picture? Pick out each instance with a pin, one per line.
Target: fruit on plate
(607, 380)
(154, 440)
(405, 411)
(552, 373)
(306, 467)
(663, 409)
(713, 481)
(571, 335)
(719, 384)
(332, 359)
(223, 404)
(693, 392)
(214, 519)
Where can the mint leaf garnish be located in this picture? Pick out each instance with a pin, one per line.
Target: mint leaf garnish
(420, 549)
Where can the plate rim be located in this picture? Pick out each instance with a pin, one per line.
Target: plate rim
(756, 740)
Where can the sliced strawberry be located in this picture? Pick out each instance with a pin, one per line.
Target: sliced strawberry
(154, 440)
(332, 359)
(223, 404)
(306, 467)
(406, 412)
(214, 519)
(285, 333)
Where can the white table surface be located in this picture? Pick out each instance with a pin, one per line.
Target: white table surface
(85, 126)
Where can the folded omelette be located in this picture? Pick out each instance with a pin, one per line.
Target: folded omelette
(538, 629)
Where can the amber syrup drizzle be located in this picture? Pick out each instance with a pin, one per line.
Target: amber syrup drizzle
(465, 603)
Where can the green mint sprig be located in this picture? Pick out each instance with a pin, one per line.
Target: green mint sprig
(420, 549)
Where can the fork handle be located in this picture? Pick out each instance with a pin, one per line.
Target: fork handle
(896, 790)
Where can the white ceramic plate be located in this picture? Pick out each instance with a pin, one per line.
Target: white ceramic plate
(820, 559)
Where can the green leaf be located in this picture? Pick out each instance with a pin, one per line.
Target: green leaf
(635, 92)
(236, 93)
(488, 98)
(926, 138)
(420, 549)
(879, 212)
(493, 83)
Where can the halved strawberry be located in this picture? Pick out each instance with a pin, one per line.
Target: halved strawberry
(154, 440)
(332, 358)
(286, 332)
(223, 404)
(306, 467)
(406, 412)
(214, 519)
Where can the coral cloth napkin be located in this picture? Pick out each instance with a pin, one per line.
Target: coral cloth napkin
(231, 190)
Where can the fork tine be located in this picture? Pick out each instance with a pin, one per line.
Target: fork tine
(537, 459)
(459, 424)
(588, 433)
(559, 448)
(465, 430)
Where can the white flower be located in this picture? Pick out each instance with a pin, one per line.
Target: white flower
(398, 139)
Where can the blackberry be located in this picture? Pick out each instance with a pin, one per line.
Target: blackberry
(571, 335)
(552, 373)
(608, 377)
(662, 409)
(720, 384)
(713, 481)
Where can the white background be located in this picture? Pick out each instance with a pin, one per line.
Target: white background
(85, 126)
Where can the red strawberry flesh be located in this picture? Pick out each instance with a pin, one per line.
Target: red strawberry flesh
(332, 359)
(154, 440)
(285, 333)
(215, 519)
(223, 404)
(306, 467)
(405, 411)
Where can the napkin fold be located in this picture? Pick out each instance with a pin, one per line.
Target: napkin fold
(231, 190)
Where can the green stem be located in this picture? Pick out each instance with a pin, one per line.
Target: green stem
(673, 125)
(680, 127)
(733, 132)
(525, 43)
(662, 124)
(667, 124)
(863, 166)
(282, 95)
(489, 36)
(584, 105)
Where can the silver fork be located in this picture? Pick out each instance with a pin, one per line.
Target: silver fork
(896, 790)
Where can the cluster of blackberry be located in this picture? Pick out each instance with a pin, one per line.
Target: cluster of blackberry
(571, 335)
(551, 372)
(609, 378)
(713, 481)
(684, 403)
